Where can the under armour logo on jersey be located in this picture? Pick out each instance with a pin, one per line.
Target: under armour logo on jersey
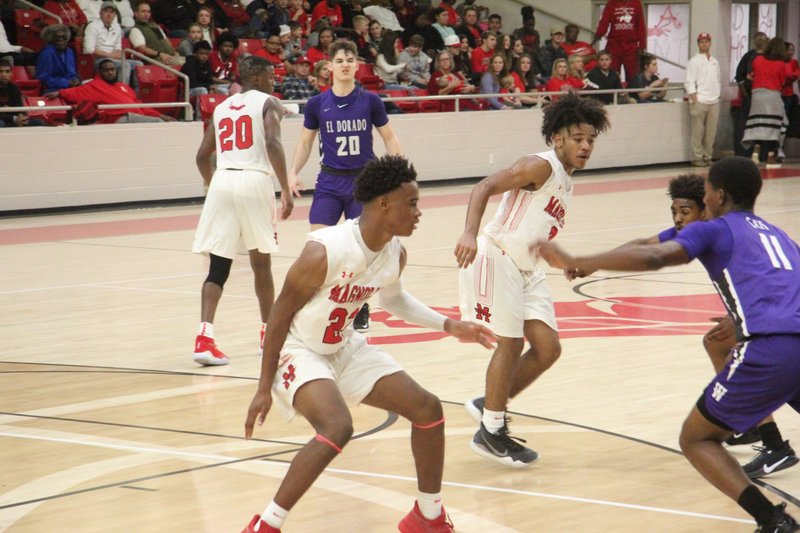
(288, 377)
(347, 275)
(482, 313)
(235, 107)
(718, 392)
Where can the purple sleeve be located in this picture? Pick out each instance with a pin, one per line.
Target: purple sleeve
(699, 238)
(667, 234)
(378, 111)
(311, 114)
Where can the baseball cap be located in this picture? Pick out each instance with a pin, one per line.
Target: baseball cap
(452, 40)
(556, 29)
(704, 36)
(106, 4)
(301, 59)
(284, 30)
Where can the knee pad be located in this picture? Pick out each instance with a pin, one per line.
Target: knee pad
(219, 270)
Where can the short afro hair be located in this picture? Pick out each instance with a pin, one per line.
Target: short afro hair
(573, 110)
(383, 175)
(689, 186)
(739, 177)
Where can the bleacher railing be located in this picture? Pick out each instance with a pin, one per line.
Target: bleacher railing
(40, 10)
(185, 104)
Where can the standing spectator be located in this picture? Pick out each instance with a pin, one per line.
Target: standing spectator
(445, 80)
(105, 89)
(648, 78)
(333, 362)
(470, 27)
(418, 70)
(20, 55)
(148, 39)
(379, 10)
(343, 118)
(482, 54)
(572, 46)
(322, 72)
(240, 202)
(301, 85)
(790, 97)
(406, 13)
(744, 68)
(703, 87)
(224, 63)
(490, 81)
(604, 78)
(528, 32)
(441, 24)
(103, 40)
(11, 96)
(551, 51)
(321, 51)
(766, 124)
(71, 15)
(624, 26)
(198, 69)
(195, 35)
(331, 10)
(56, 67)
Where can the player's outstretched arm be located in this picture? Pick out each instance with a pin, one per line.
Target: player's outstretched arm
(304, 278)
(203, 158)
(577, 273)
(634, 258)
(273, 114)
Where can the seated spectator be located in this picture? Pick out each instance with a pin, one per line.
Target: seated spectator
(148, 39)
(441, 22)
(528, 32)
(444, 80)
(526, 79)
(604, 78)
(360, 36)
(11, 96)
(379, 10)
(297, 13)
(301, 85)
(105, 89)
(316, 53)
(71, 15)
(293, 45)
(551, 51)
(576, 70)
(572, 45)
(560, 80)
(91, 8)
(453, 18)
(56, 67)
(482, 54)
(508, 87)
(405, 12)
(20, 55)
(175, 16)
(194, 35)
(224, 64)
(495, 23)
(103, 40)
(470, 27)
(648, 78)
(273, 52)
(490, 81)
(462, 57)
(331, 10)
(198, 69)
(422, 26)
(205, 19)
(235, 13)
(218, 17)
(517, 48)
(260, 24)
(388, 67)
(322, 71)
(418, 63)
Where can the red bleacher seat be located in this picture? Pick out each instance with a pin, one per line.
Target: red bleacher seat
(27, 85)
(157, 85)
(29, 24)
(207, 104)
(430, 106)
(85, 62)
(249, 46)
(53, 118)
(405, 106)
(365, 75)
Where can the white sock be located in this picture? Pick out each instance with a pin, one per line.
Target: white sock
(206, 329)
(274, 515)
(493, 420)
(430, 505)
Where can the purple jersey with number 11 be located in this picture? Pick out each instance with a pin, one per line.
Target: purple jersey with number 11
(345, 126)
(755, 268)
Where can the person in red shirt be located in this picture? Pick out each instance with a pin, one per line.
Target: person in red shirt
(316, 53)
(105, 89)
(572, 46)
(789, 96)
(299, 15)
(624, 22)
(561, 81)
(329, 9)
(454, 19)
(482, 54)
(71, 14)
(224, 63)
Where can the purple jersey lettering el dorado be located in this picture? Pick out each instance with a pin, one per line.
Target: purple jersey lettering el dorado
(755, 268)
(345, 126)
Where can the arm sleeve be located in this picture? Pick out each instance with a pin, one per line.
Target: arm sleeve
(488, 87)
(5, 45)
(310, 116)
(378, 111)
(136, 38)
(404, 306)
(90, 39)
(691, 78)
(698, 238)
(44, 72)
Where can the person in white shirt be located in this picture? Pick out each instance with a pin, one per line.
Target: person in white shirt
(92, 8)
(20, 55)
(379, 10)
(703, 87)
(103, 40)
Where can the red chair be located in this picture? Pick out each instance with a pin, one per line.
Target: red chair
(53, 118)
(207, 103)
(249, 46)
(157, 85)
(85, 65)
(365, 75)
(405, 106)
(29, 24)
(28, 86)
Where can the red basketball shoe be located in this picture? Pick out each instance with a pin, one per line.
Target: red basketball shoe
(414, 522)
(206, 352)
(257, 525)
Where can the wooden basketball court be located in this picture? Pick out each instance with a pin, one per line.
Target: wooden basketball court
(106, 424)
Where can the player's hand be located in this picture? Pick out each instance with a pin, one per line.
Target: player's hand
(556, 257)
(575, 273)
(471, 332)
(259, 407)
(287, 203)
(295, 184)
(723, 331)
(466, 250)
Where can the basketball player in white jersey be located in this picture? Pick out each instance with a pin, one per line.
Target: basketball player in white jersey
(240, 203)
(313, 359)
(500, 284)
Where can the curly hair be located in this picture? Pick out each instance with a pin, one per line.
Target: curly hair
(572, 110)
(739, 177)
(688, 186)
(382, 176)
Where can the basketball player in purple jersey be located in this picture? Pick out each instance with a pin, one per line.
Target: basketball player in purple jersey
(755, 268)
(343, 117)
